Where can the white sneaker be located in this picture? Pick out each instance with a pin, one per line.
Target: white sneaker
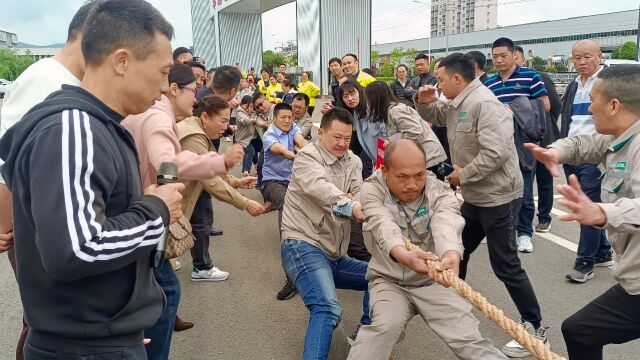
(524, 244)
(178, 266)
(214, 274)
(515, 350)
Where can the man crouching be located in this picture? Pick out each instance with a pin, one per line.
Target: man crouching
(316, 226)
(401, 201)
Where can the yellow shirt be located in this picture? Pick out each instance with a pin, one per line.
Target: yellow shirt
(364, 79)
(310, 89)
(262, 86)
(271, 90)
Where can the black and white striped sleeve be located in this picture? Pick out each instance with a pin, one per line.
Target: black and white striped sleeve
(72, 176)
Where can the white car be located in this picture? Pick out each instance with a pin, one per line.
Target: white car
(4, 85)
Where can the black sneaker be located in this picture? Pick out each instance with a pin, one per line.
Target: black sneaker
(543, 226)
(605, 261)
(288, 291)
(581, 272)
(215, 231)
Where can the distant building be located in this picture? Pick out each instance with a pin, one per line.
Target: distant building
(38, 53)
(450, 17)
(8, 39)
(551, 40)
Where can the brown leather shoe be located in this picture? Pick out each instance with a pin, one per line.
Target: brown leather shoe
(181, 325)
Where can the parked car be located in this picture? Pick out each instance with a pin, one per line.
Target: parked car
(4, 85)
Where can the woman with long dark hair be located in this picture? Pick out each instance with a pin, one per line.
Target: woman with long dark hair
(351, 98)
(388, 117)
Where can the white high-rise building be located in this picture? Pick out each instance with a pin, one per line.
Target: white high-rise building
(449, 17)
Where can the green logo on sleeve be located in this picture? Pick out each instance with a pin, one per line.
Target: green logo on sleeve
(621, 165)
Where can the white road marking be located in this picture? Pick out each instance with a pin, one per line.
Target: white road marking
(571, 246)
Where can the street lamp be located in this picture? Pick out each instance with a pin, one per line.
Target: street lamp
(429, 28)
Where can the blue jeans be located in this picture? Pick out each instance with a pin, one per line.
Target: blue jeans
(528, 209)
(317, 277)
(545, 192)
(247, 160)
(160, 333)
(593, 242)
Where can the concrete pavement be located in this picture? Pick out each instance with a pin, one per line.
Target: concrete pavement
(240, 318)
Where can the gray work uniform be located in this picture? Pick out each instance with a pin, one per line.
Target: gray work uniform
(397, 293)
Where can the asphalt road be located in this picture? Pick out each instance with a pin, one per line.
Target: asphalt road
(240, 318)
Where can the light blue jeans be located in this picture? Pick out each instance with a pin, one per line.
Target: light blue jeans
(317, 277)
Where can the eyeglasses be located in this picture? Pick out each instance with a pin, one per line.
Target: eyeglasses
(260, 105)
(297, 107)
(190, 88)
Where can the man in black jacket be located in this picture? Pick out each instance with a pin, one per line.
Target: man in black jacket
(424, 77)
(84, 226)
(544, 180)
(479, 61)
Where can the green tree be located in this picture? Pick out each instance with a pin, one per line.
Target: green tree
(538, 63)
(271, 59)
(410, 55)
(375, 57)
(562, 67)
(396, 56)
(12, 64)
(551, 69)
(292, 59)
(628, 51)
(387, 70)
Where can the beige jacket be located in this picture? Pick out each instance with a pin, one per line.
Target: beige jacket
(434, 223)
(305, 124)
(405, 120)
(246, 128)
(620, 194)
(480, 132)
(193, 138)
(318, 181)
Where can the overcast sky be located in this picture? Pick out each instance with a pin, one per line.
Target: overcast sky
(42, 22)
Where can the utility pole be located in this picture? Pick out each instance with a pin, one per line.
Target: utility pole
(446, 28)
(638, 37)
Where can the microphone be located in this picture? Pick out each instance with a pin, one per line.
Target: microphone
(167, 174)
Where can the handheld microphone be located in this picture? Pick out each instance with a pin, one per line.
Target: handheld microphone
(167, 174)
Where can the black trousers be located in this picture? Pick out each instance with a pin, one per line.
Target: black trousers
(201, 221)
(357, 248)
(42, 347)
(612, 318)
(499, 223)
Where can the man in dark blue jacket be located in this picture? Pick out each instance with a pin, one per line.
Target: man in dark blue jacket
(593, 248)
(84, 226)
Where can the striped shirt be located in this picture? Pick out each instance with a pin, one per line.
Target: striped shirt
(523, 82)
(581, 119)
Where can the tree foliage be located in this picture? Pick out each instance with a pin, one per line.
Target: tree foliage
(375, 57)
(271, 60)
(12, 65)
(628, 51)
(538, 63)
(396, 57)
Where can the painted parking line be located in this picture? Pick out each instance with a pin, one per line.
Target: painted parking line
(571, 246)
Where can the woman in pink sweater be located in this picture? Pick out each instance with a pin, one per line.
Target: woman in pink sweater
(155, 134)
(156, 138)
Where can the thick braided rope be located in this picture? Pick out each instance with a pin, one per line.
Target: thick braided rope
(514, 329)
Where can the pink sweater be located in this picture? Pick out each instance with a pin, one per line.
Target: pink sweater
(155, 135)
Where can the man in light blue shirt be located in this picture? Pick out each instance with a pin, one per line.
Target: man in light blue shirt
(279, 148)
